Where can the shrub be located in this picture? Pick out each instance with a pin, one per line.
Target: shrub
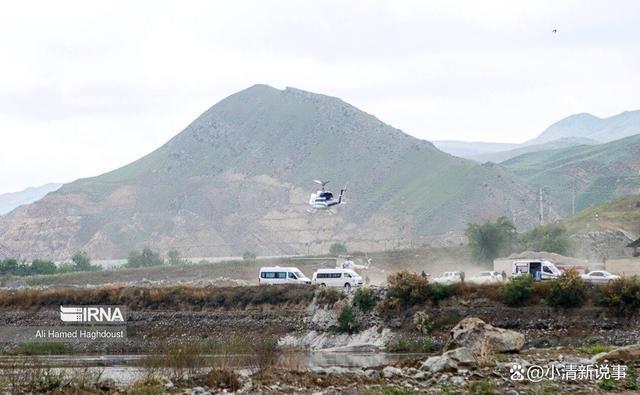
(549, 238)
(249, 256)
(607, 384)
(438, 292)
(328, 295)
(489, 240)
(185, 359)
(568, 290)
(389, 307)
(149, 384)
(391, 389)
(481, 388)
(40, 348)
(406, 345)
(44, 380)
(408, 288)
(174, 258)
(423, 322)
(364, 299)
(517, 291)
(266, 351)
(223, 379)
(146, 257)
(81, 261)
(9, 266)
(632, 378)
(43, 267)
(594, 349)
(338, 248)
(179, 296)
(622, 295)
(347, 322)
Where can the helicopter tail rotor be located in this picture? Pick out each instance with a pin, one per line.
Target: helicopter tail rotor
(342, 191)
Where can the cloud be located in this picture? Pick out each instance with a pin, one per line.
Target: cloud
(87, 87)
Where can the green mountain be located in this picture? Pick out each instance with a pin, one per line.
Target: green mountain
(501, 156)
(472, 149)
(597, 173)
(239, 177)
(577, 129)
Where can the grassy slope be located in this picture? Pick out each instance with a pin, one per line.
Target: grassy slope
(600, 171)
(621, 213)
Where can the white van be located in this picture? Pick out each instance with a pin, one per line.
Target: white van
(337, 277)
(546, 269)
(282, 275)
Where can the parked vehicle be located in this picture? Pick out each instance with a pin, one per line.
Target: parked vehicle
(282, 275)
(337, 277)
(448, 278)
(599, 276)
(539, 269)
(488, 277)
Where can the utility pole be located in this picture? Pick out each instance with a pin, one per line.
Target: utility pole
(573, 199)
(541, 206)
(512, 211)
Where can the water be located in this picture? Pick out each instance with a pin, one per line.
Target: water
(125, 369)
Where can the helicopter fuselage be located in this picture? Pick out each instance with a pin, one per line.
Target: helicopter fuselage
(323, 200)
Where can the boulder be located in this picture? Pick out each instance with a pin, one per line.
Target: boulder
(462, 356)
(625, 354)
(475, 334)
(450, 361)
(391, 371)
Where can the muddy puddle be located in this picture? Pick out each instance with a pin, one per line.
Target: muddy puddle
(125, 369)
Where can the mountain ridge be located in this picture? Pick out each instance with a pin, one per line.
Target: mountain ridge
(575, 129)
(238, 178)
(10, 200)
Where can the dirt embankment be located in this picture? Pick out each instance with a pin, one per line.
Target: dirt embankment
(156, 317)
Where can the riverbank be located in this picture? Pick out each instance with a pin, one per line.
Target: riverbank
(178, 329)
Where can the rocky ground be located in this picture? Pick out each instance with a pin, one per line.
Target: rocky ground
(475, 345)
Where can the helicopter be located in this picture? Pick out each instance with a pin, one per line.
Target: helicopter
(324, 200)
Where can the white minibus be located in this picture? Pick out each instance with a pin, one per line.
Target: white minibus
(282, 275)
(345, 278)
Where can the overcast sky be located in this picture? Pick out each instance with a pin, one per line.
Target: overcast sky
(86, 87)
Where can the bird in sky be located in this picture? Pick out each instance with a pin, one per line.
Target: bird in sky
(554, 31)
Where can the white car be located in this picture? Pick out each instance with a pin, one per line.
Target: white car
(488, 277)
(599, 276)
(448, 278)
(344, 278)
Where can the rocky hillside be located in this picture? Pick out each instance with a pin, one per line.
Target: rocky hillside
(239, 177)
(605, 229)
